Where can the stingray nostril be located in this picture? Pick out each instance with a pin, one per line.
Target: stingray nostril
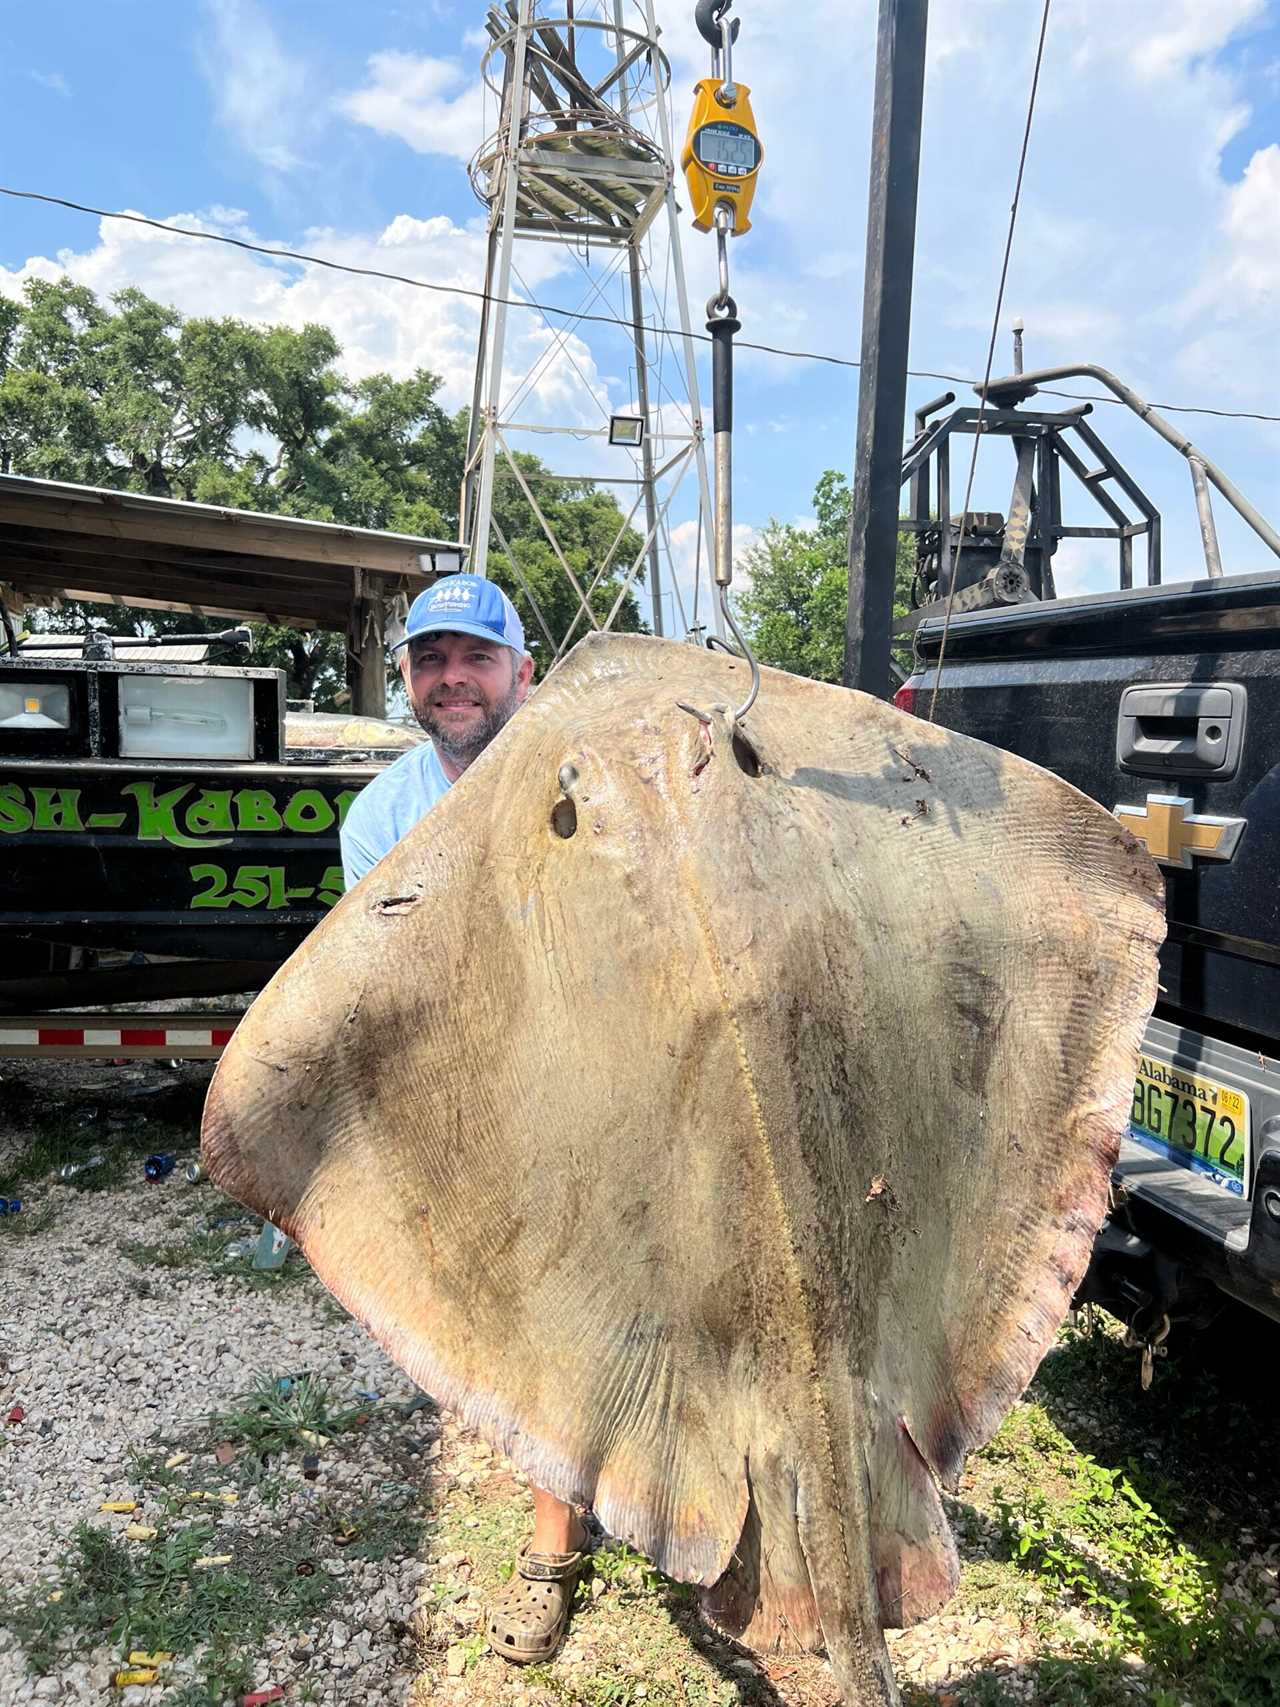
(564, 818)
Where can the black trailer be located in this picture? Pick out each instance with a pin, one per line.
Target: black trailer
(169, 830)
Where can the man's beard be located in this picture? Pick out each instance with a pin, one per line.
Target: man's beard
(462, 749)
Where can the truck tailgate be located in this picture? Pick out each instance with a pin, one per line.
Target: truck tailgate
(1163, 703)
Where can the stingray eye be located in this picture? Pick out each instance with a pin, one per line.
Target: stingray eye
(564, 814)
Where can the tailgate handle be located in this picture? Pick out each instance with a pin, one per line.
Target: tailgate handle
(1181, 728)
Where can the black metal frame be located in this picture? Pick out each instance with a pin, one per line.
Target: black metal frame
(886, 323)
(1013, 562)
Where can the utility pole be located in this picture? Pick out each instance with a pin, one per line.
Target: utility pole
(886, 326)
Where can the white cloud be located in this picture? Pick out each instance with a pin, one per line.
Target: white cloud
(261, 91)
(1083, 566)
(381, 325)
(1251, 226)
(688, 560)
(434, 105)
(52, 80)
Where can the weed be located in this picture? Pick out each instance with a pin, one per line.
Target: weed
(1094, 1538)
(473, 1649)
(29, 1223)
(386, 1535)
(280, 1412)
(150, 1469)
(155, 1595)
(621, 1570)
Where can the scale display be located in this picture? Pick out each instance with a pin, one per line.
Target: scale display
(728, 150)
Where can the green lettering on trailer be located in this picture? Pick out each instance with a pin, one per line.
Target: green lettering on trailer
(15, 814)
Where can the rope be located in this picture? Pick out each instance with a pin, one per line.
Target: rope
(945, 521)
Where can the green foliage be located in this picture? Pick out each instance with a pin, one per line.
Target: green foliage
(280, 1413)
(796, 603)
(153, 1595)
(588, 527)
(1095, 1540)
(134, 397)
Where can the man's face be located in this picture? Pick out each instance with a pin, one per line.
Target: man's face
(463, 690)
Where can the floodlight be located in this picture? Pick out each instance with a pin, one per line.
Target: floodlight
(186, 717)
(35, 705)
(627, 430)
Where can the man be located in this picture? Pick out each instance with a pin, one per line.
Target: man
(466, 673)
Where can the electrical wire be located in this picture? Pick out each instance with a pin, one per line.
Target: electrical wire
(991, 353)
(568, 313)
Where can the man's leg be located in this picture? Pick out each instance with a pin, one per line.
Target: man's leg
(526, 1618)
(557, 1528)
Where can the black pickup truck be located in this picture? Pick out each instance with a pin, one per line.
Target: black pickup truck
(1162, 702)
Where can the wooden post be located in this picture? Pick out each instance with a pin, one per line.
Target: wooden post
(367, 663)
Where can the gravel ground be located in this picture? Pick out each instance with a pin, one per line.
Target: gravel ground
(106, 1358)
(129, 1339)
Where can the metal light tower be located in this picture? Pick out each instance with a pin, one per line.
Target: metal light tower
(582, 158)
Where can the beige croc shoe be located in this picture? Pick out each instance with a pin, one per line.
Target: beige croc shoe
(526, 1619)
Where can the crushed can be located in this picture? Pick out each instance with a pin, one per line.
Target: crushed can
(72, 1170)
(10, 1206)
(193, 1173)
(159, 1167)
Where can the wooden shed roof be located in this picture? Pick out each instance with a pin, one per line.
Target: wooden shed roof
(83, 542)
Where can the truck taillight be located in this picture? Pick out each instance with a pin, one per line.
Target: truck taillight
(905, 698)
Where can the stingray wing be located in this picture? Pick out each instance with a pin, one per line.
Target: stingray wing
(725, 1140)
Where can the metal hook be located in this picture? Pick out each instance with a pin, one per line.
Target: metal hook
(721, 305)
(727, 93)
(748, 654)
(707, 15)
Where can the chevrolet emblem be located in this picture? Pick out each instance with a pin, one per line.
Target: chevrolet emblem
(1175, 835)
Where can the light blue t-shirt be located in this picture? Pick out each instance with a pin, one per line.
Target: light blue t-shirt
(389, 808)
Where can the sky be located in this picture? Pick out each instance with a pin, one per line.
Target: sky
(1148, 238)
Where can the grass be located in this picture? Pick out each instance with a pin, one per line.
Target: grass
(635, 1639)
(58, 1141)
(205, 1251)
(1105, 1534)
(1111, 1507)
(153, 1595)
(28, 1223)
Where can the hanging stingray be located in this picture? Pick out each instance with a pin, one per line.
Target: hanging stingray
(720, 1129)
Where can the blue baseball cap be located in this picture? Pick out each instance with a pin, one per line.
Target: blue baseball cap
(464, 604)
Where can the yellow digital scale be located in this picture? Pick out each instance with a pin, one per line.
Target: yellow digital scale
(722, 154)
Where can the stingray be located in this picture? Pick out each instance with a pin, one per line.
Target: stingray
(717, 1119)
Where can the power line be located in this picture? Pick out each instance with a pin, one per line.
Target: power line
(280, 254)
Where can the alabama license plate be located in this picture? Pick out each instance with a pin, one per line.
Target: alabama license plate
(1192, 1120)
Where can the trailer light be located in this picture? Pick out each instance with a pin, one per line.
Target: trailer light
(35, 705)
(185, 717)
(905, 698)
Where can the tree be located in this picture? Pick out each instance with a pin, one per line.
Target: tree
(795, 603)
(586, 523)
(136, 397)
